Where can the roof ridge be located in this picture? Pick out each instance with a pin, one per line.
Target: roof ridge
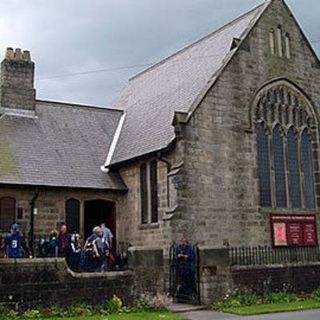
(198, 41)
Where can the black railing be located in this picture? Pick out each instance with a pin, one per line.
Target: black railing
(265, 255)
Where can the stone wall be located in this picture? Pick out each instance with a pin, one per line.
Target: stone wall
(25, 283)
(218, 278)
(295, 278)
(219, 202)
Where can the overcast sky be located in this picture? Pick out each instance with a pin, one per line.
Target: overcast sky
(70, 36)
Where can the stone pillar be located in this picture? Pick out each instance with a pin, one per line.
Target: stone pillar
(17, 80)
(215, 274)
(148, 267)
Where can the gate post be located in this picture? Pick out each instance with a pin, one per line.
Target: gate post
(148, 267)
(215, 274)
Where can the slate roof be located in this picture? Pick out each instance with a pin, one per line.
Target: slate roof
(63, 146)
(151, 98)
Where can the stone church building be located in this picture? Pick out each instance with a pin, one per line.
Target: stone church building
(218, 142)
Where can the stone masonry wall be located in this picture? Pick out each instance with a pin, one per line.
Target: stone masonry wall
(219, 204)
(50, 206)
(26, 283)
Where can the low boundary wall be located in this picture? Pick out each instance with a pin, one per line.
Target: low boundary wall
(25, 283)
(218, 278)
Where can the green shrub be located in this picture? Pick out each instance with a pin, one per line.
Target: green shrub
(243, 300)
(316, 294)
(7, 314)
(280, 297)
(31, 314)
(112, 306)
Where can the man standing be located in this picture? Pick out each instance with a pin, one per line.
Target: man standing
(107, 234)
(15, 244)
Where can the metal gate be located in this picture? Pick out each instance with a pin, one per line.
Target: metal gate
(184, 273)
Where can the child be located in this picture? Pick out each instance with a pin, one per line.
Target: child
(15, 243)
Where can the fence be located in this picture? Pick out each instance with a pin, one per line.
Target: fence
(266, 255)
(122, 247)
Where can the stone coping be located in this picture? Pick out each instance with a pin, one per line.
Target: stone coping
(145, 249)
(63, 264)
(32, 261)
(275, 266)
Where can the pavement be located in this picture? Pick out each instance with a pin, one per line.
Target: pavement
(211, 315)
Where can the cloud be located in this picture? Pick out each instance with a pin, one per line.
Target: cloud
(81, 35)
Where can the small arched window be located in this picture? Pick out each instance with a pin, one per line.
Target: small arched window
(279, 41)
(73, 215)
(288, 46)
(272, 42)
(7, 213)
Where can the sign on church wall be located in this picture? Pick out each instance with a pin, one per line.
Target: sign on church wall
(294, 230)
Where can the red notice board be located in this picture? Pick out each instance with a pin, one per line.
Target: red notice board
(294, 230)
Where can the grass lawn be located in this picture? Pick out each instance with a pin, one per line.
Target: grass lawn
(133, 316)
(274, 308)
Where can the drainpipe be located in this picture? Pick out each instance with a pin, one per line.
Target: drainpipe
(169, 165)
(32, 207)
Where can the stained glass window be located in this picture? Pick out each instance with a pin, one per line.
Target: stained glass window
(307, 170)
(293, 168)
(279, 170)
(264, 166)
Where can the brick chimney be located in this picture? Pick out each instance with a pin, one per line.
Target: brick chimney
(17, 80)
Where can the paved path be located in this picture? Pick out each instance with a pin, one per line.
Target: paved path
(210, 315)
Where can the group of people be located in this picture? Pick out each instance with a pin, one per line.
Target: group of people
(95, 255)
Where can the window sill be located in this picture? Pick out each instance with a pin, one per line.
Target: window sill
(149, 226)
(289, 211)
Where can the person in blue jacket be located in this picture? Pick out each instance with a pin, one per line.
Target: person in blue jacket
(15, 243)
(185, 257)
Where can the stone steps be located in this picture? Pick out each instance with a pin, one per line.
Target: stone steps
(181, 308)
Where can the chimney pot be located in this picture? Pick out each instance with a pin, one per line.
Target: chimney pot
(18, 54)
(26, 55)
(9, 53)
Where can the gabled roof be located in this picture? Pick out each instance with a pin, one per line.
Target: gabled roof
(152, 97)
(60, 145)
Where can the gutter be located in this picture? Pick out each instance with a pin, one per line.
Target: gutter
(113, 145)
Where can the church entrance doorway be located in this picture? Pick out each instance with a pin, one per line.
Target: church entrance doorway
(97, 212)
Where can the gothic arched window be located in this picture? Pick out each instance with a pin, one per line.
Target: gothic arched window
(284, 151)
